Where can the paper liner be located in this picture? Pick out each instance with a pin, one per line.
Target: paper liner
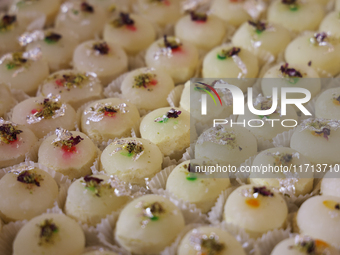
(136, 61)
(283, 139)
(114, 87)
(175, 96)
(7, 236)
(160, 179)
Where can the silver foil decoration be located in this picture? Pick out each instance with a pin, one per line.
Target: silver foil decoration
(165, 51)
(94, 112)
(33, 54)
(248, 193)
(227, 96)
(238, 61)
(71, 10)
(62, 135)
(2, 122)
(126, 189)
(273, 154)
(319, 124)
(27, 37)
(259, 100)
(254, 8)
(287, 185)
(19, 169)
(194, 5)
(33, 118)
(124, 142)
(196, 238)
(320, 42)
(217, 135)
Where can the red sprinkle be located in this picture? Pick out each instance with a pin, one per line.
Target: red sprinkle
(132, 27)
(153, 82)
(34, 111)
(167, 3)
(60, 82)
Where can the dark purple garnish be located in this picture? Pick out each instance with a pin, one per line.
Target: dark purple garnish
(89, 178)
(196, 16)
(102, 48)
(337, 206)
(192, 168)
(93, 184)
(325, 132)
(47, 230)
(133, 147)
(8, 133)
(144, 80)
(309, 63)
(85, 7)
(320, 37)
(30, 177)
(52, 38)
(7, 21)
(258, 25)
(292, 4)
(288, 1)
(229, 53)
(211, 245)
(263, 191)
(124, 19)
(173, 113)
(171, 43)
(290, 72)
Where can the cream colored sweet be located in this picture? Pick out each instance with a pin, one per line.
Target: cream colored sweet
(23, 70)
(131, 32)
(92, 198)
(7, 100)
(230, 11)
(107, 60)
(262, 126)
(132, 160)
(177, 58)
(337, 5)
(28, 11)
(259, 36)
(295, 178)
(300, 245)
(296, 15)
(202, 30)
(227, 61)
(319, 49)
(10, 30)
(317, 139)
(100, 252)
(330, 24)
(52, 234)
(80, 20)
(109, 119)
(169, 129)
(44, 114)
(252, 208)
(112, 7)
(161, 12)
(301, 76)
(330, 184)
(74, 87)
(16, 141)
(226, 145)
(327, 105)
(56, 48)
(195, 186)
(141, 224)
(205, 240)
(26, 193)
(147, 88)
(319, 218)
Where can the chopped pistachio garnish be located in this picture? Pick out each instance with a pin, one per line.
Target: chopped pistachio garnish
(95, 184)
(153, 211)
(171, 42)
(292, 4)
(102, 48)
(173, 113)
(16, 61)
(123, 20)
(7, 22)
(225, 54)
(99, 110)
(65, 140)
(259, 26)
(198, 16)
(144, 80)
(8, 133)
(71, 80)
(211, 245)
(133, 148)
(30, 177)
(228, 137)
(52, 38)
(48, 110)
(85, 7)
(283, 159)
(48, 229)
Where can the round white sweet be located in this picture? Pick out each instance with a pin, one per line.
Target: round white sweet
(330, 24)
(199, 239)
(7, 100)
(57, 49)
(196, 188)
(147, 88)
(141, 225)
(67, 237)
(272, 38)
(227, 61)
(204, 35)
(232, 12)
(226, 145)
(80, 20)
(337, 5)
(319, 148)
(107, 63)
(305, 49)
(23, 73)
(254, 212)
(296, 17)
(43, 115)
(268, 126)
(117, 121)
(298, 182)
(74, 87)
(299, 246)
(170, 134)
(13, 151)
(74, 161)
(9, 32)
(26, 192)
(102, 252)
(132, 38)
(310, 80)
(160, 12)
(92, 198)
(330, 184)
(319, 218)
(132, 160)
(327, 105)
(180, 62)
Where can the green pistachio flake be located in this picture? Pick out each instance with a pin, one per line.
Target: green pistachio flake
(211, 245)
(17, 61)
(48, 110)
(48, 229)
(30, 177)
(7, 22)
(143, 80)
(8, 133)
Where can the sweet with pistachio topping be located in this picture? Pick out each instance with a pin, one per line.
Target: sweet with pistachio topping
(47, 230)
(124, 19)
(225, 54)
(258, 25)
(16, 61)
(30, 177)
(52, 38)
(8, 133)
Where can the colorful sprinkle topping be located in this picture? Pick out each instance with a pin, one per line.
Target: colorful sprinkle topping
(173, 113)
(47, 230)
(85, 7)
(256, 191)
(65, 140)
(331, 204)
(283, 158)
(153, 211)
(225, 54)
(145, 80)
(197, 16)
(102, 48)
(133, 148)
(172, 42)
(95, 184)
(71, 80)
(52, 38)
(325, 132)
(17, 60)
(30, 177)
(99, 111)
(123, 20)
(8, 133)
(7, 22)
(307, 245)
(290, 73)
(259, 26)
